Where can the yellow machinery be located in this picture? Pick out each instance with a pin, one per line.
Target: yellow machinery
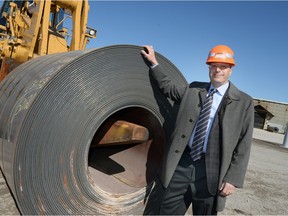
(81, 131)
(35, 28)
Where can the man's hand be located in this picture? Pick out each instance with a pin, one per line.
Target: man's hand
(226, 189)
(149, 54)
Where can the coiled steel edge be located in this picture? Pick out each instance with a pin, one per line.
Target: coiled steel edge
(50, 109)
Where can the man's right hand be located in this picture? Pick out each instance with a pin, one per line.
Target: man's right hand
(149, 53)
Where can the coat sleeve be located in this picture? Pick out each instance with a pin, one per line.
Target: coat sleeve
(239, 162)
(166, 85)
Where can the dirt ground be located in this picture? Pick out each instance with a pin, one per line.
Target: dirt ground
(265, 189)
(266, 183)
(7, 204)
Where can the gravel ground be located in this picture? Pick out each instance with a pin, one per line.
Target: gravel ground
(266, 183)
(7, 204)
(265, 189)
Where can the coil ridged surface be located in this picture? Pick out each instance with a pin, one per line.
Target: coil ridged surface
(50, 110)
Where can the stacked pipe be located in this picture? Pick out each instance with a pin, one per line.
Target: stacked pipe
(51, 108)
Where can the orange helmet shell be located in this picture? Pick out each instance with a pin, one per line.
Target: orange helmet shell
(221, 54)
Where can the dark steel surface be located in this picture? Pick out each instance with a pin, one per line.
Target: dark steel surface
(51, 109)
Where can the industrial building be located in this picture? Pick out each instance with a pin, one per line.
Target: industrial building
(271, 115)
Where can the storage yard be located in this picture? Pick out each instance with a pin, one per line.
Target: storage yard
(60, 114)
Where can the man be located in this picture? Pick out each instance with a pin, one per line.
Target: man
(208, 153)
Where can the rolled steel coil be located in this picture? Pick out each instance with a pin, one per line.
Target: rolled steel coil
(51, 108)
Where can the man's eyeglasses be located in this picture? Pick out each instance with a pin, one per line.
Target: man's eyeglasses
(220, 66)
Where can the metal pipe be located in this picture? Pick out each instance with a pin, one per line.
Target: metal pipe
(285, 141)
(72, 5)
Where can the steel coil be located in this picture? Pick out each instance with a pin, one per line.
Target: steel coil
(53, 108)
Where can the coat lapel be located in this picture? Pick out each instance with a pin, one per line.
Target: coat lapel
(232, 94)
(202, 95)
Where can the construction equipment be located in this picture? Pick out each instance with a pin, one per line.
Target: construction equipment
(81, 131)
(35, 28)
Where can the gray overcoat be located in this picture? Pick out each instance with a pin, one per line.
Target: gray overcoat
(232, 132)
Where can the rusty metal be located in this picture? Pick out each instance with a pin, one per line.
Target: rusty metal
(53, 109)
(7, 65)
(123, 132)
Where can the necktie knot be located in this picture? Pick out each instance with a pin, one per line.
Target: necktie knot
(212, 91)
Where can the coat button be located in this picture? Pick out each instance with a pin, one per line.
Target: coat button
(190, 120)
(183, 136)
(176, 151)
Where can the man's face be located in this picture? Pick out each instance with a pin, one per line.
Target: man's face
(219, 73)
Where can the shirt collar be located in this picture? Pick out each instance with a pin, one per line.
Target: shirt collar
(222, 89)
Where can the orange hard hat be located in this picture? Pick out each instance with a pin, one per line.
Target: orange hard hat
(221, 54)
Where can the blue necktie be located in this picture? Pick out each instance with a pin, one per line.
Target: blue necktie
(201, 127)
